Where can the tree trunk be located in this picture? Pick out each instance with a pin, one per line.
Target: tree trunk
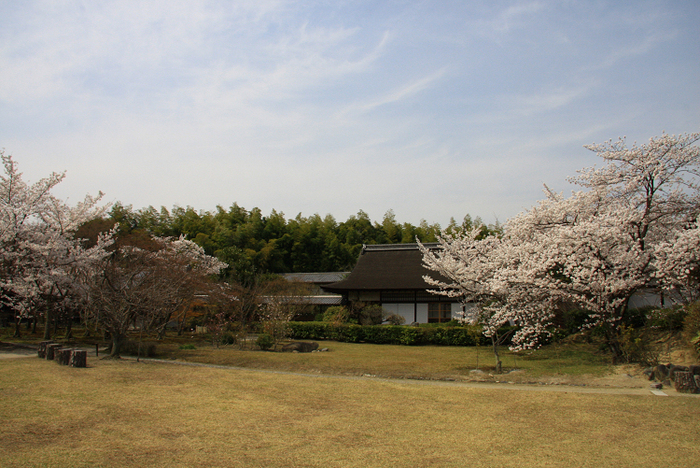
(69, 329)
(612, 340)
(118, 340)
(47, 323)
(494, 342)
(18, 331)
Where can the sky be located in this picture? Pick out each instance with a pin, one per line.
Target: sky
(432, 109)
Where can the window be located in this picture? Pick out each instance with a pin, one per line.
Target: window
(439, 312)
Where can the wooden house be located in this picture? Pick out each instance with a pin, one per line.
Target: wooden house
(391, 275)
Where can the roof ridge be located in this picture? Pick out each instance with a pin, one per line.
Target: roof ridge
(407, 246)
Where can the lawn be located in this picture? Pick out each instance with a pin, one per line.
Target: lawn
(573, 363)
(124, 413)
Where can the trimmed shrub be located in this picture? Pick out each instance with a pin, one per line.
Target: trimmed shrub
(265, 341)
(346, 332)
(411, 336)
(470, 335)
(308, 330)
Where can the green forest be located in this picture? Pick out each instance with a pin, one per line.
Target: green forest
(254, 245)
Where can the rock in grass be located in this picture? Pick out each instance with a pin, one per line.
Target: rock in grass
(300, 347)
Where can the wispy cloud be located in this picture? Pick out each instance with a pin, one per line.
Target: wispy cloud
(398, 94)
(626, 52)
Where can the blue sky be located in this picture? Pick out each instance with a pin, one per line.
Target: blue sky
(432, 109)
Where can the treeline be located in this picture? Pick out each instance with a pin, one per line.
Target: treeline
(253, 244)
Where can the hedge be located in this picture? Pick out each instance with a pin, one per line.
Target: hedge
(388, 334)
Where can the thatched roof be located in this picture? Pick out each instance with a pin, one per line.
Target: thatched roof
(384, 267)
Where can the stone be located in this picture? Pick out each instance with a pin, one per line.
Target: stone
(300, 347)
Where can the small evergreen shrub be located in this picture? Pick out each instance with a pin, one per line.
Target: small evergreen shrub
(371, 315)
(691, 322)
(637, 346)
(395, 319)
(265, 341)
(227, 338)
(670, 319)
(336, 314)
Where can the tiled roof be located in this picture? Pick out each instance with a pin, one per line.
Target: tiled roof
(317, 278)
(326, 299)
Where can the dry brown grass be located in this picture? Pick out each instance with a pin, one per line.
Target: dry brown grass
(125, 413)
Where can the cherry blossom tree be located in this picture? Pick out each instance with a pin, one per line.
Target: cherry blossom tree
(677, 263)
(484, 274)
(630, 226)
(39, 252)
(144, 286)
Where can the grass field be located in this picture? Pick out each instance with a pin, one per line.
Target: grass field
(124, 413)
(422, 362)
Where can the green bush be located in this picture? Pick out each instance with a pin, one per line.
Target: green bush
(265, 341)
(395, 319)
(666, 319)
(637, 347)
(392, 334)
(346, 332)
(691, 322)
(336, 314)
(308, 330)
(371, 315)
(411, 336)
(383, 334)
(227, 338)
(188, 346)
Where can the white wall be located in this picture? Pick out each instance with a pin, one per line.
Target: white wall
(406, 310)
(402, 309)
